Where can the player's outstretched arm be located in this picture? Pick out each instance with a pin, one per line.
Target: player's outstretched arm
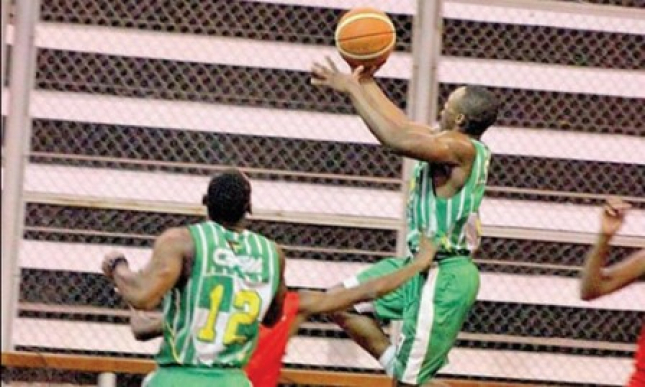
(378, 96)
(598, 280)
(274, 314)
(337, 300)
(146, 325)
(145, 289)
(389, 125)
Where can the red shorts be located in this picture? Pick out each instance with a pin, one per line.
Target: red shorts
(638, 378)
(264, 367)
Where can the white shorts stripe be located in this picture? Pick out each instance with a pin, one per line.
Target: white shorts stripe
(148, 378)
(423, 329)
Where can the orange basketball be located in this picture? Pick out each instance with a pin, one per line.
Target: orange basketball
(365, 36)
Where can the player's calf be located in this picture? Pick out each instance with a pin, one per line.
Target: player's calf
(364, 330)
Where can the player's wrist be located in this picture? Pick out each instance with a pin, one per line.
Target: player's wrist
(366, 79)
(352, 86)
(606, 236)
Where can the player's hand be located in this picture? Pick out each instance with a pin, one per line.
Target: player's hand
(145, 325)
(111, 261)
(613, 215)
(139, 319)
(330, 76)
(427, 251)
(368, 71)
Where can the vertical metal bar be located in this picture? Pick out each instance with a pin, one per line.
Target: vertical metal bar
(17, 141)
(423, 92)
(6, 4)
(107, 379)
(5, 8)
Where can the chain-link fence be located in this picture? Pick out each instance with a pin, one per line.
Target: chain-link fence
(136, 103)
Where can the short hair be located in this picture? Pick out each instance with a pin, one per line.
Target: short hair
(229, 197)
(480, 107)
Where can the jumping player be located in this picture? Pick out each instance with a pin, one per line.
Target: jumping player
(446, 190)
(218, 281)
(598, 280)
(264, 368)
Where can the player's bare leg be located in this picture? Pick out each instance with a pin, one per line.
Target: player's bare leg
(365, 331)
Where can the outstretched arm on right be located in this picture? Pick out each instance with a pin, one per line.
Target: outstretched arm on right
(337, 300)
(598, 280)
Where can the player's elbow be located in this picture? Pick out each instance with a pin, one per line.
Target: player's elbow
(589, 293)
(588, 296)
(143, 335)
(138, 335)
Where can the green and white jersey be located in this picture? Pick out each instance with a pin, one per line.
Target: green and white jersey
(212, 320)
(454, 222)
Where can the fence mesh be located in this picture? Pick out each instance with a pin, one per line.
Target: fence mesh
(137, 103)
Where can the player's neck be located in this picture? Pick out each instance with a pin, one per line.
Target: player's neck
(462, 131)
(235, 227)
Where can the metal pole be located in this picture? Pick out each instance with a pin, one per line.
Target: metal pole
(17, 141)
(6, 4)
(423, 91)
(107, 379)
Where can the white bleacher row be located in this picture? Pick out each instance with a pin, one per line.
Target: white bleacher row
(286, 123)
(293, 56)
(495, 287)
(303, 198)
(594, 370)
(579, 15)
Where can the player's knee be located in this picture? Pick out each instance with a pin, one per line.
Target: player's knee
(342, 318)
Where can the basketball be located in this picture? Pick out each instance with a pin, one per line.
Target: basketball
(365, 37)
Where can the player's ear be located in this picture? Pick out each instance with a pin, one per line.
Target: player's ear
(460, 120)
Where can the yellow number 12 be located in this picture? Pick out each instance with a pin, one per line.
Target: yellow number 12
(246, 302)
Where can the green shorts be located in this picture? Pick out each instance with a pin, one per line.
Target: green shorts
(433, 308)
(178, 376)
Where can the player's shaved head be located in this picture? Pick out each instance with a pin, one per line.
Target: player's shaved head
(229, 197)
(480, 108)
(470, 109)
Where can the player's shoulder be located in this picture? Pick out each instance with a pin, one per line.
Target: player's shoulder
(178, 239)
(175, 235)
(464, 146)
(456, 138)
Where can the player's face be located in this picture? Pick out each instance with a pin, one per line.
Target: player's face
(449, 113)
